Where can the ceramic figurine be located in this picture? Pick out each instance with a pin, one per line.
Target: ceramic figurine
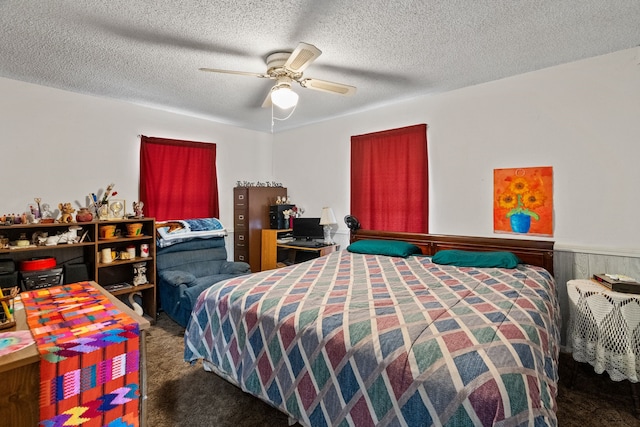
(139, 273)
(134, 297)
(46, 216)
(66, 209)
(137, 209)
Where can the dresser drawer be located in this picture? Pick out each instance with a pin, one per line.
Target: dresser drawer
(240, 254)
(240, 221)
(240, 238)
(240, 197)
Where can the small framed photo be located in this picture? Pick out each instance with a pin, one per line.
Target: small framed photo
(117, 208)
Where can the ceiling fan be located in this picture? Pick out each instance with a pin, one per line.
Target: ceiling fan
(286, 68)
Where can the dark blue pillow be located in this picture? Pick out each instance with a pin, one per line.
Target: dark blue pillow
(476, 259)
(384, 247)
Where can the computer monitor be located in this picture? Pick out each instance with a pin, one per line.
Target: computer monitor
(307, 229)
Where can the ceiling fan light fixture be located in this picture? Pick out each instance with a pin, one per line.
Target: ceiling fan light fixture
(283, 97)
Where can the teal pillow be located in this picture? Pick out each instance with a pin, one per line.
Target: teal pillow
(476, 259)
(384, 247)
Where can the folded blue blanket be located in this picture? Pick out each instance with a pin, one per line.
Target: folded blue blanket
(203, 224)
(196, 228)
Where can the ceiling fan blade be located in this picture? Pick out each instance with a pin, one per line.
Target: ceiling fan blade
(325, 86)
(242, 73)
(302, 57)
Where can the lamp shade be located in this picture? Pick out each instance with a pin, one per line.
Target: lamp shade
(284, 97)
(327, 217)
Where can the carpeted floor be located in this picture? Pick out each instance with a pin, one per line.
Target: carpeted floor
(180, 394)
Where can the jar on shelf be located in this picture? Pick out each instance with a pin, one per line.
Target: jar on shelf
(84, 215)
(103, 212)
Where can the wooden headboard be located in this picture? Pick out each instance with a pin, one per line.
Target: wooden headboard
(534, 252)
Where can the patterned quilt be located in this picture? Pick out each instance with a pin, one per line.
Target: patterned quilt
(366, 340)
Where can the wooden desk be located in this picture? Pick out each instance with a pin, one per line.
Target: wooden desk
(270, 248)
(20, 373)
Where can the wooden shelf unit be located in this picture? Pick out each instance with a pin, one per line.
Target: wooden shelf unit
(87, 253)
(120, 270)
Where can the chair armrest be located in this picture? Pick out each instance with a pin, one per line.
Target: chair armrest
(232, 267)
(177, 277)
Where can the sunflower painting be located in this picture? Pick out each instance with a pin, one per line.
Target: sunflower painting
(523, 201)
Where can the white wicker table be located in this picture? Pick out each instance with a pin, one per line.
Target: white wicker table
(604, 329)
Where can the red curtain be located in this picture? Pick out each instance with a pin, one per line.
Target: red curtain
(389, 180)
(178, 179)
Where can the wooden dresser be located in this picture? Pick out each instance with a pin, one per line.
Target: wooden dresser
(251, 215)
(20, 373)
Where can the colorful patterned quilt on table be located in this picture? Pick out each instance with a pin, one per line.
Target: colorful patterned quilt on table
(365, 340)
(89, 350)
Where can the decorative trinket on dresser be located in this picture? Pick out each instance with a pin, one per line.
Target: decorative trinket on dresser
(139, 273)
(66, 209)
(84, 215)
(137, 209)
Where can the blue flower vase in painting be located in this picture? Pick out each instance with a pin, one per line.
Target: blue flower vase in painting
(520, 223)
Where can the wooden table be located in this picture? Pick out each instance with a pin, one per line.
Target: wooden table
(20, 372)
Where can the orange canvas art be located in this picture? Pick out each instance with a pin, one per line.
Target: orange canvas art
(523, 201)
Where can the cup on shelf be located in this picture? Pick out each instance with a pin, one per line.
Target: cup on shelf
(105, 256)
(131, 250)
(107, 231)
(144, 250)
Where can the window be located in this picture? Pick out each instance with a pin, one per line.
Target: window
(389, 180)
(178, 179)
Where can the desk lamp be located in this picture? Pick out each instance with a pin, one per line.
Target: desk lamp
(327, 219)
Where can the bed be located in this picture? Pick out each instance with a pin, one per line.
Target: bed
(359, 339)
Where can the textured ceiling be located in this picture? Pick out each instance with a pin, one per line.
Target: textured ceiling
(148, 51)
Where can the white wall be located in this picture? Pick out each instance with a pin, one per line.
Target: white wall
(61, 146)
(583, 119)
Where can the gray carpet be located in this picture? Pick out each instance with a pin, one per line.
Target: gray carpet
(180, 394)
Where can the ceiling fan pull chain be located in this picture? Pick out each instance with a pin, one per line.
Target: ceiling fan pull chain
(283, 119)
(273, 117)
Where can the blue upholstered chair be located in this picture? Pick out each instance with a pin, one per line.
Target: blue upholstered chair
(188, 268)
